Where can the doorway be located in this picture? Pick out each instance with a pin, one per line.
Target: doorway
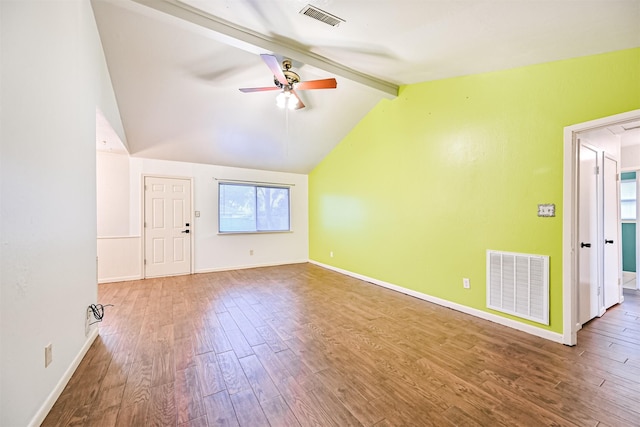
(167, 226)
(599, 284)
(572, 321)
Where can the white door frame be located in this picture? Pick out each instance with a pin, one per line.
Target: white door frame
(570, 325)
(192, 228)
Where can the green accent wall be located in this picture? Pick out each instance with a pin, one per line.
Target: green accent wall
(627, 175)
(419, 190)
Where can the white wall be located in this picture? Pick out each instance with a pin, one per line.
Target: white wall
(52, 79)
(631, 157)
(212, 251)
(112, 194)
(603, 140)
(119, 258)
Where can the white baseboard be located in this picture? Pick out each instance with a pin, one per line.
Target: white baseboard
(530, 329)
(247, 266)
(119, 279)
(57, 391)
(206, 270)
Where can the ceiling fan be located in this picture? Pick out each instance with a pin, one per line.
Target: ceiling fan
(288, 82)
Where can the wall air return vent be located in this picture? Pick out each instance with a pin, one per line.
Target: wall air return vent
(518, 284)
(321, 15)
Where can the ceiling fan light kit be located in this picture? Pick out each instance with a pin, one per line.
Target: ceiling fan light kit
(285, 100)
(288, 82)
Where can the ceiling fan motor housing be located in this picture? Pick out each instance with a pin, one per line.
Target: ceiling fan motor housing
(292, 78)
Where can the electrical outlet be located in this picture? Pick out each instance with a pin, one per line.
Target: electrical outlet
(466, 283)
(250, 251)
(331, 254)
(48, 355)
(87, 321)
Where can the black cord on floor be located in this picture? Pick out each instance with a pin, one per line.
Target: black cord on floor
(98, 311)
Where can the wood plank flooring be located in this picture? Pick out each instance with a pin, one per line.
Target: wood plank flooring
(300, 345)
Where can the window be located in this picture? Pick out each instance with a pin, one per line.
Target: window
(628, 199)
(247, 208)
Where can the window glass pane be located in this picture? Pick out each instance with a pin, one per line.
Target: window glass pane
(628, 196)
(273, 209)
(627, 190)
(628, 210)
(251, 208)
(237, 207)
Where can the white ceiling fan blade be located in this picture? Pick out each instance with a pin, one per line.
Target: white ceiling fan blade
(274, 66)
(258, 89)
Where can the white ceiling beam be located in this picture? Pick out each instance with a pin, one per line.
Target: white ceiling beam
(249, 40)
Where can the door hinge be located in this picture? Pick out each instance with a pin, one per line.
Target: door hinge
(598, 290)
(145, 262)
(617, 177)
(145, 224)
(145, 187)
(596, 170)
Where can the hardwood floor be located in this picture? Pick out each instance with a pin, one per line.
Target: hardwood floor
(301, 345)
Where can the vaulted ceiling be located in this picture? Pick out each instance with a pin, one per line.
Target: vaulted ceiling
(176, 66)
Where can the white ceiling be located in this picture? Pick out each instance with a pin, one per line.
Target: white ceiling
(176, 66)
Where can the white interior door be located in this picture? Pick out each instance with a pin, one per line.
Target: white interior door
(588, 305)
(611, 250)
(167, 231)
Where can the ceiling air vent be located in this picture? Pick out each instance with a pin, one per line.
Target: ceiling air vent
(321, 15)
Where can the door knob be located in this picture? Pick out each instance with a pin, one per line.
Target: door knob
(608, 241)
(585, 245)
(185, 231)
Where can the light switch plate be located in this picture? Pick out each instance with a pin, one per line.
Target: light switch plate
(548, 209)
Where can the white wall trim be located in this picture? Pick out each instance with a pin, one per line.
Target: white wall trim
(569, 318)
(245, 267)
(119, 279)
(530, 329)
(207, 270)
(569, 219)
(42, 413)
